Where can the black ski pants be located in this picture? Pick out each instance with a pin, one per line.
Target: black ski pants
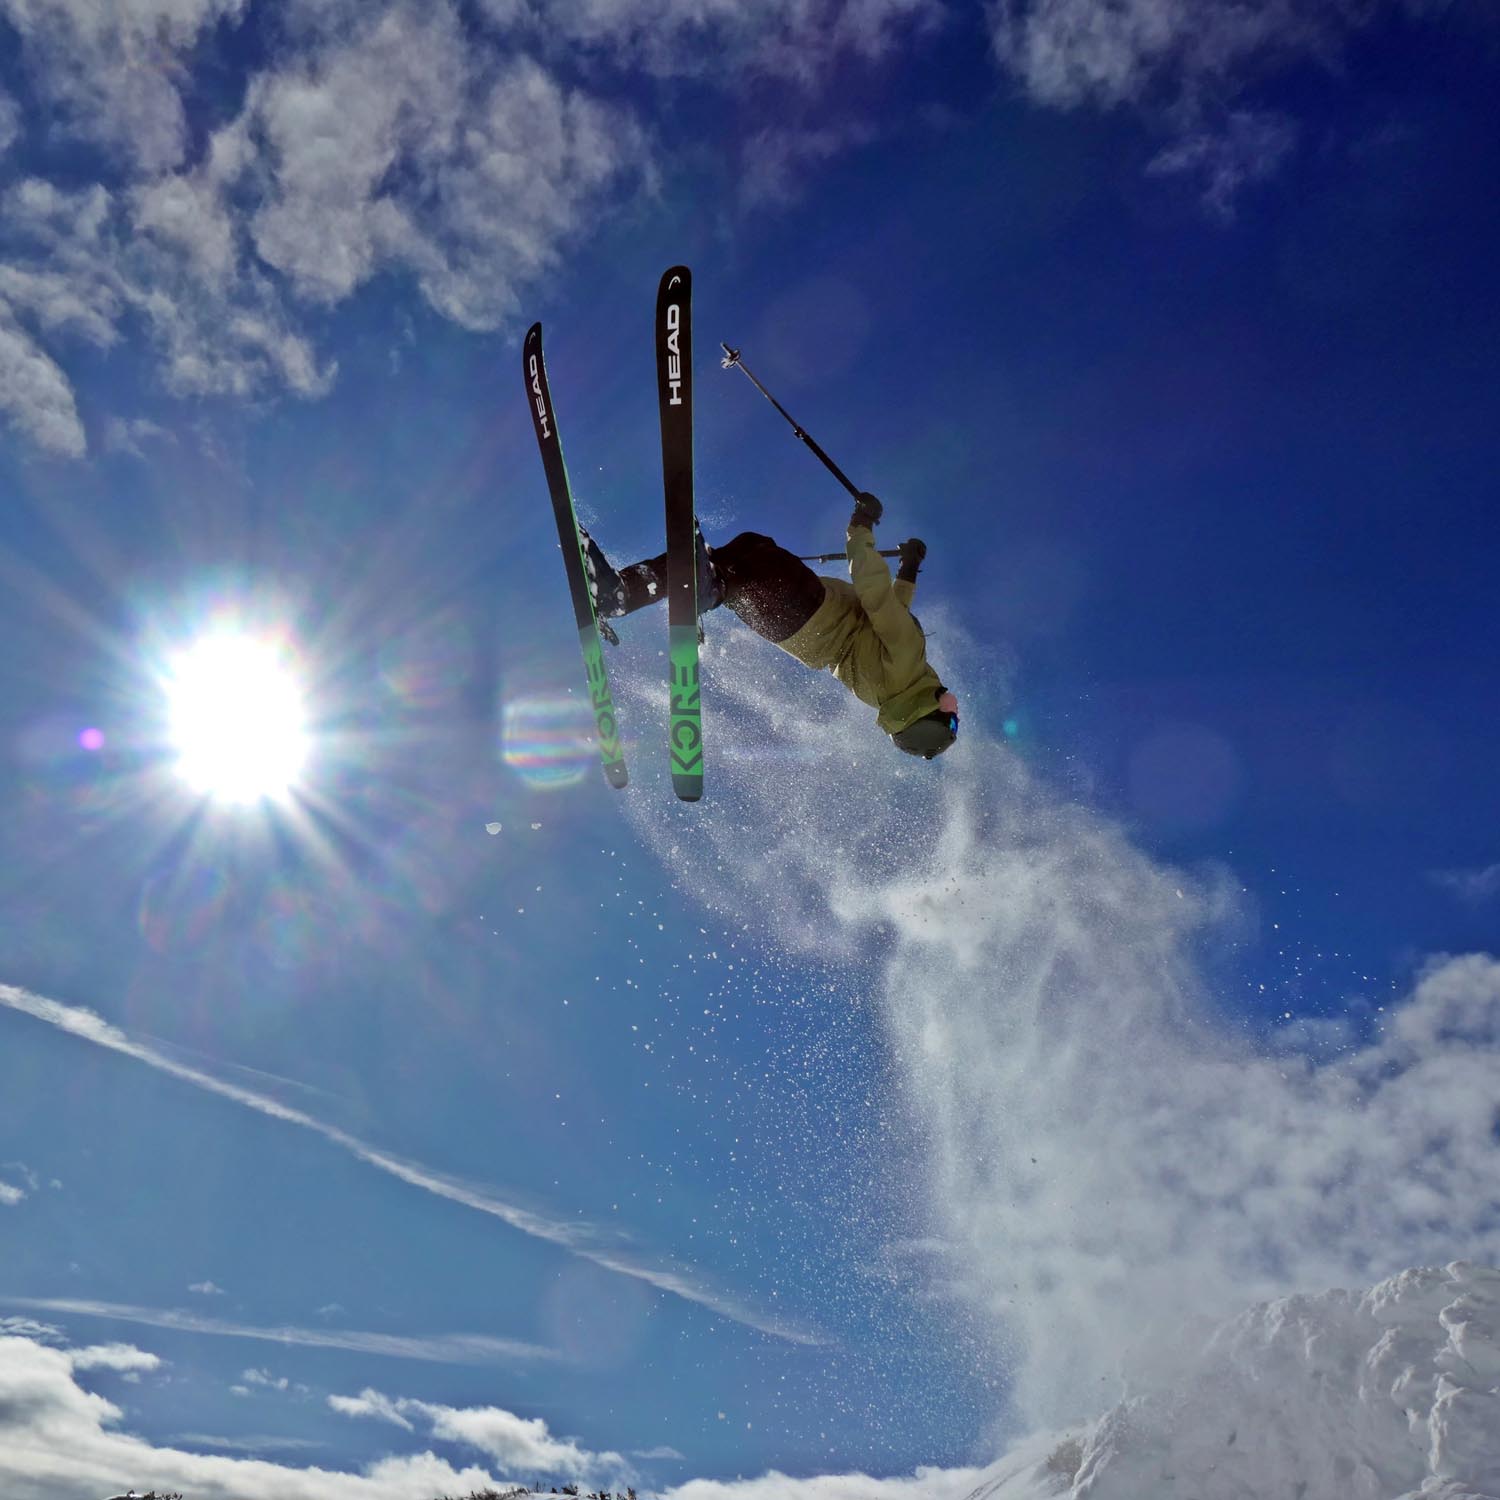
(772, 590)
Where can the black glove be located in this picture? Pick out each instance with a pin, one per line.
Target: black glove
(912, 551)
(867, 511)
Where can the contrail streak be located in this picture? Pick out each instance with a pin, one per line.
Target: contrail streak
(442, 1348)
(578, 1239)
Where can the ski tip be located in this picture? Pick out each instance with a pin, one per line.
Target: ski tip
(616, 774)
(534, 334)
(675, 276)
(688, 788)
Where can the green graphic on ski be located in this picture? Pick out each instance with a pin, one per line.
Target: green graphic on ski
(674, 385)
(539, 397)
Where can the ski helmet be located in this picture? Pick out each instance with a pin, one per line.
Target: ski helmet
(929, 736)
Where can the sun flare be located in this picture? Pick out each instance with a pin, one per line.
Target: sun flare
(236, 716)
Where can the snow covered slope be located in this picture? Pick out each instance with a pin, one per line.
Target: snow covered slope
(1389, 1395)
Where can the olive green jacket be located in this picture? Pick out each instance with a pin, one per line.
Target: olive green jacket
(865, 634)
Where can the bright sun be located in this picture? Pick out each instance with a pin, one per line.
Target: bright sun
(236, 718)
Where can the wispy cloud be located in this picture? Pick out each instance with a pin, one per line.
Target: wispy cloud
(111, 73)
(122, 435)
(206, 1289)
(29, 1328)
(724, 41)
(1187, 65)
(1249, 146)
(442, 1348)
(778, 162)
(1474, 887)
(1070, 52)
(579, 1239)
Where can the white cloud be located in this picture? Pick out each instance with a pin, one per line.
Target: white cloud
(661, 1451)
(385, 140)
(520, 1445)
(1471, 886)
(265, 1379)
(335, 125)
(10, 1195)
(121, 1357)
(83, 262)
(1111, 1164)
(603, 1248)
(442, 1348)
(373, 1405)
(925, 1484)
(205, 1289)
(61, 1442)
(404, 148)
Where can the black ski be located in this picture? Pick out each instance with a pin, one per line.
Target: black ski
(674, 384)
(534, 371)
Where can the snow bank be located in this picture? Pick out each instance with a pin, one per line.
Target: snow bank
(1389, 1395)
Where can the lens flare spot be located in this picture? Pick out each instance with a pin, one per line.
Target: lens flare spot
(428, 665)
(548, 741)
(236, 717)
(91, 739)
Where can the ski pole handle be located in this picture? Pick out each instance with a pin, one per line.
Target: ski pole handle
(840, 556)
(732, 361)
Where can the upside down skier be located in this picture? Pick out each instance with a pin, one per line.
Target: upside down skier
(862, 631)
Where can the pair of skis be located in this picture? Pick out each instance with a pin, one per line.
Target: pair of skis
(674, 388)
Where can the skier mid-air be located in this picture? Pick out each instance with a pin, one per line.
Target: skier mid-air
(862, 631)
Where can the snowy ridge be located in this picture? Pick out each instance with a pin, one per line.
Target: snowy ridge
(1389, 1395)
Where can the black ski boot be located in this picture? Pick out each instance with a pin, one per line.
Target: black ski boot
(606, 587)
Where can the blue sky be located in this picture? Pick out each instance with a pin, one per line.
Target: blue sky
(702, 1136)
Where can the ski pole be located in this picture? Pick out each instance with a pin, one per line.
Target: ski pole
(840, 556)
(732, 361)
